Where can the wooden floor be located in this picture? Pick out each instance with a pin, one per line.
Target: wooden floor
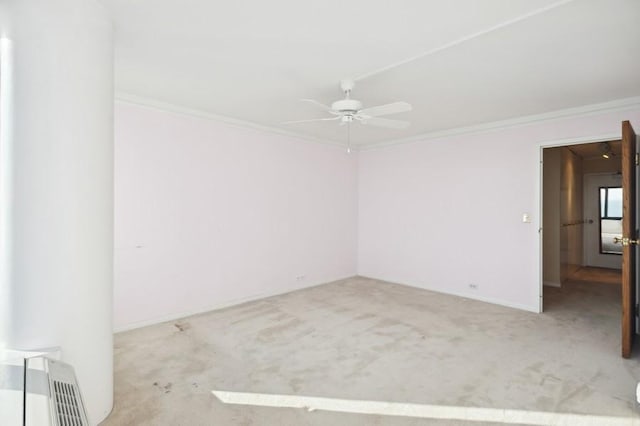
(598, 275)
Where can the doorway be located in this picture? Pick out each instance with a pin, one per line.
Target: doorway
(582, 209)
(563, 222)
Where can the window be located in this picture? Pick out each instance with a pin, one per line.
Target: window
(610, 219)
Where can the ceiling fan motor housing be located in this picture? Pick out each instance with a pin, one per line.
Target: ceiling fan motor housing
(347, 106)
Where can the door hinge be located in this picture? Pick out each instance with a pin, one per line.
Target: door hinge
(637, 159)
(636, 310)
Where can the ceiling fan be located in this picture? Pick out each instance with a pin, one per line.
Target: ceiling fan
(348, 110)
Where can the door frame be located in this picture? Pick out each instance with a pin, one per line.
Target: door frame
(539, 195)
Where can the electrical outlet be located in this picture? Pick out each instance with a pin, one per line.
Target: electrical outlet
(300, 277)
(473, 286)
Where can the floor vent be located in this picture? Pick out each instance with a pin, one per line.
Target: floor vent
(68, 406)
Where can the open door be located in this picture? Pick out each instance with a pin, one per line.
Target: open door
(629, 237)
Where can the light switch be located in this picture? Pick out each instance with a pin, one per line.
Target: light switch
(526, 218)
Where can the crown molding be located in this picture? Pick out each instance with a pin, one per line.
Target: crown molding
(575, 112)
(235, 122)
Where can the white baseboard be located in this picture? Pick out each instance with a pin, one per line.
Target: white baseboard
(552, 284)
(495, 301)
(216, 306)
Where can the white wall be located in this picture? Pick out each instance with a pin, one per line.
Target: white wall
(208, 214)
(445, 213)
(56, 187)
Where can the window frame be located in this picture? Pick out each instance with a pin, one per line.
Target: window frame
(605, 217)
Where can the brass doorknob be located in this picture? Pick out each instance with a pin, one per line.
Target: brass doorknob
(625, 241)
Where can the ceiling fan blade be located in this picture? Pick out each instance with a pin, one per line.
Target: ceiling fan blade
(385, 122)
(313, 119)
(320, 105)
(392, 108)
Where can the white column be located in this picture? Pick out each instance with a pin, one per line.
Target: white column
(56, 186)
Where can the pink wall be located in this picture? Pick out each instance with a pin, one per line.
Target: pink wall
(445, 213)
(208, 214)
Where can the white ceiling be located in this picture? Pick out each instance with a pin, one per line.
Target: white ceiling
(459, 63)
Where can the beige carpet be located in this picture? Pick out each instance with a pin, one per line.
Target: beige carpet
(365, 339)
